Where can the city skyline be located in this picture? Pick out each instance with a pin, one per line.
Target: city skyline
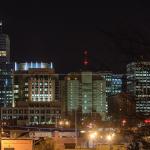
(113, 37)
(74, 76)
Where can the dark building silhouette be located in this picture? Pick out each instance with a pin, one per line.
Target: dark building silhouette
(121, 106)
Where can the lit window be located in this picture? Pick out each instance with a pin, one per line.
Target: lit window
(26, 83)
(16, 86)
(15, 91)
(46, 83)
(3, 53)
(26, 89)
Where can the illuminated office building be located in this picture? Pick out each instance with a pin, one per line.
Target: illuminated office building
(35, 82)
(108, 78)
(32, 113)
(114, 83)
(117, 84)
(6, 95)
(138, 84)
(4, 46)
(85, 92)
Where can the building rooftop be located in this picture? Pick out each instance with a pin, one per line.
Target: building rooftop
(32, 65)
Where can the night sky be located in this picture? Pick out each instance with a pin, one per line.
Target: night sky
(113, 33)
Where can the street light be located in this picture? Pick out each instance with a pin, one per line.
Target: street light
(60, 123)
(82, 131)
(67, 123)
(92, 138)
(64, 123)
(109, 137)
(93, 135)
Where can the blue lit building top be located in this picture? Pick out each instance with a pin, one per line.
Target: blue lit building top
(116, 84)
(32, 65)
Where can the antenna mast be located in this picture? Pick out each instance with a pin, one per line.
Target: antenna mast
(85, 62)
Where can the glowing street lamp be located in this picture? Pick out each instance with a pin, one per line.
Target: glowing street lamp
(93, 135)
(92, 138)
(109, 137)
(82, 131)
(67, 123)
(63, 123)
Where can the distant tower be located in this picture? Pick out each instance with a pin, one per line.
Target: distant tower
(4, 46)
(5, 70)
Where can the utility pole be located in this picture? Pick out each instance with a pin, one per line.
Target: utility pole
(76, 134)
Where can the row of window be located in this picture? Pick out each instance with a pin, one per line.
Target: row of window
(30, 111)
(41, 83)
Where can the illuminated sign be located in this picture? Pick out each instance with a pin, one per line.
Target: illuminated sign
(12, 144)
(147, 121)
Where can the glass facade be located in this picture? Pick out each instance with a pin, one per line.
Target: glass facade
(114, 83)
(6, 94)
(4, 48)
(138, 84)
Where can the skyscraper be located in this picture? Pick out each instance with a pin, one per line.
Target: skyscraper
(4, 46)
(138, 84)
(6, 95)
(85, 92)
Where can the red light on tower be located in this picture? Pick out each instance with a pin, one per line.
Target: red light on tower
(85, 62)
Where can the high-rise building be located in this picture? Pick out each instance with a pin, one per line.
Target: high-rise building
(35, 82)
(138, 84)
(114, 83)
(108, 78)
(6, 95)
(6, 92)
(85, 92)
(4, 46)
